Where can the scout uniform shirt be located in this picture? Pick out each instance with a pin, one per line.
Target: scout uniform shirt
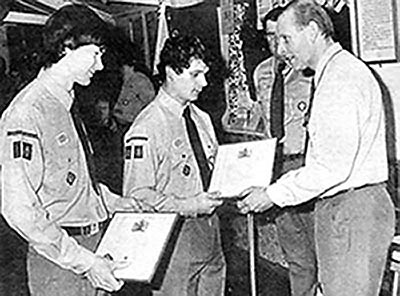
(45, 181)
(297, 96)
(161, 169)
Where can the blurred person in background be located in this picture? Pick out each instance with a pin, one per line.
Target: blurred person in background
(7, 86)
(284, 95)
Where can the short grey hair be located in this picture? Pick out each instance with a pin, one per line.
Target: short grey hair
(306, 11)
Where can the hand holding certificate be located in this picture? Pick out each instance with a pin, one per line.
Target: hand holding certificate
(140, 240)
(242, 165)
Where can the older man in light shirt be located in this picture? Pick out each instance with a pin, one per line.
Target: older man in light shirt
(346, 162)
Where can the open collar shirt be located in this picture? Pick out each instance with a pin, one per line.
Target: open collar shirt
(45, 181)
(347, 147)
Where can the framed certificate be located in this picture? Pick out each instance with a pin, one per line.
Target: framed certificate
(374, 30)
(141, 240)
(242, 165)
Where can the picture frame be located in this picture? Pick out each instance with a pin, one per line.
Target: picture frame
(375, 30)
(142, 240)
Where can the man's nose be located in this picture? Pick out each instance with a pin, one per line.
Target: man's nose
(203, 81)
(99, 64)
(280, 49)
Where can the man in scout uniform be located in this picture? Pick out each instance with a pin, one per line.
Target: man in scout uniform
(48, 195)
(294, 224)
(170, 150)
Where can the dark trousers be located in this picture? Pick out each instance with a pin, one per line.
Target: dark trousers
(48, 279)
(13, 250)
(353, 233)
(295, 226)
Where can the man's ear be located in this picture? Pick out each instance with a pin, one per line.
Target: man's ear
(313, 31)
(66, 51)
(170, 73)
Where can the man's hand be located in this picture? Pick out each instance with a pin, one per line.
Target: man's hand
(202, 203)
(255, 199)
(101, 275)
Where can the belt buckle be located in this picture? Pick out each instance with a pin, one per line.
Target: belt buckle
(91, 229)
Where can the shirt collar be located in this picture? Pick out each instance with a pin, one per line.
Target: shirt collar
(325, 59)
(172, 103)
(60, 93)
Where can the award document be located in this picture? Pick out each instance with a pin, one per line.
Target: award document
(241, 165)
(140, 239)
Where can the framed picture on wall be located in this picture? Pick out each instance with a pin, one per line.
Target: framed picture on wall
(374, 30)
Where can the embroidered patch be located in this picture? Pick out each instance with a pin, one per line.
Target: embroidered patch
(138, 151)
(178, 143)
(302, 106)
(186, 170)
(62, 139)
(26, 150)
(128, 152)
(17, 149)
(71, 178)
(22, 149)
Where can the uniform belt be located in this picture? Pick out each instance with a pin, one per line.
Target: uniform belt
(87, 230)
(356, 188)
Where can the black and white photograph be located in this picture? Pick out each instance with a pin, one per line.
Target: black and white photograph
(199, 148)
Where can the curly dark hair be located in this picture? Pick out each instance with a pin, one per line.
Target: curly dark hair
(272, 15)
(177, 53)
(71, 26)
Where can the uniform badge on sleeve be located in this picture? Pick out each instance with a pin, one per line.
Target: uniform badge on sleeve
(138, 146)
(26, 150)
(22, 149)
(128, 152)
(17, 149)
(138, 151)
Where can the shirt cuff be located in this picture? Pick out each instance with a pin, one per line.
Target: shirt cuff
(86, 260)
(277, 195)
(110, 198)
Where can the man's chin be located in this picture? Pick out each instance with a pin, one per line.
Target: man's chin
(194, 98)
(84, 82)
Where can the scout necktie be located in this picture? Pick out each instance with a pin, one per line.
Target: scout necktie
(87, 147)
(277, 104)
(307, 116)
(277, 112)
(197, 147)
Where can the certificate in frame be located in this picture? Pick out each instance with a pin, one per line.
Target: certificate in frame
(374, 30)
(140, 239)
(239, 166)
